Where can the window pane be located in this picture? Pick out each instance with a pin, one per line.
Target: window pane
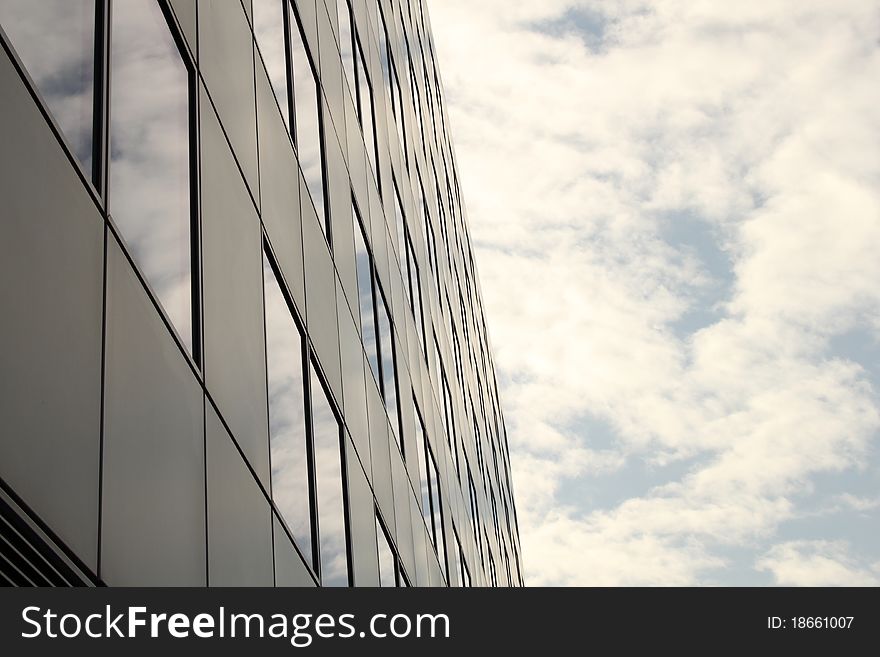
(448, 420)
(415, 290)
(399, 225)
(383, 48)
(365, 296)
(389, 374)
(55, 40)
(365, 111)
(463, 576)
(472, 495)
(308, 118)
(345, 45)
(269, 31)
(423, 469)
(150, 156)
(287, 425)
(387, 569)
(431, 246)
(397, 106)
(437, 514)
(417, 105)
(465, 572)
(328, 475)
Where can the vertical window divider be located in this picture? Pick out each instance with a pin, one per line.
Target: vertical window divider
(195, 195)
(288, 60)
(101, 100)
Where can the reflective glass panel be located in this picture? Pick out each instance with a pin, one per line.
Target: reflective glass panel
(365, 110)
(55, 40)
(465, 572)
(150, 154)
(472, 498)
(493, 576)
(268, 16)
(287, 424)
(448, 420)
(436, 513)
(399, 225)
(307, 109)
(365, 295)
(397, 107)
(326, 441)
(383, 48)
(459, 559)
(387, 565)
(389, 365)
(423, 469)
(346, 48)
(415, 289)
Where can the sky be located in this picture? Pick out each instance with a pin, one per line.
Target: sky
(675, 208)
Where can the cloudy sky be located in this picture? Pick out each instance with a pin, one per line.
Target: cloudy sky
(676, 210)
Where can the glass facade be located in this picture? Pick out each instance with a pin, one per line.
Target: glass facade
(221, 376)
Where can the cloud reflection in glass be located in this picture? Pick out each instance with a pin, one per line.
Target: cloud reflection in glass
(328, 477)
(55, 40)
(150, 155)
(287, 424)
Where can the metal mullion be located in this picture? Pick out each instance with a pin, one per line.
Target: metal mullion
(101, 107)
(288, 60)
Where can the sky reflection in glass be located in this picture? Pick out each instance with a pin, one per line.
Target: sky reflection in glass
(287, 424)
(330, 498)
(55, 40)
(150, 155)
(268, 18)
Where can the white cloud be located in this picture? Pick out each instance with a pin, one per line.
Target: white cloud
(817, 563)
(753, 120)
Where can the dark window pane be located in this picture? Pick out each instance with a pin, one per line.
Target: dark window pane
(387, 562)
(346, 42)
(269, 31)
(330, 497)
(55, 40)
(150, 154)
(287, 425)
(389, 365)
(307, 109)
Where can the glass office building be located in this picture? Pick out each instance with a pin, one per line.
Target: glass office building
(243, 341)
